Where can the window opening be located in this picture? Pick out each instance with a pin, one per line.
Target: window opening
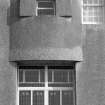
(48, 85)
(45, 7)
(92, 11)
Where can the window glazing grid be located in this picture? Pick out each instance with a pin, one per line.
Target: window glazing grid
(45, 7)
(37, 95)
(92, 11)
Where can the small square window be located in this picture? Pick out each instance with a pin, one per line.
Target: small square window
(92, 11)
(45, 7)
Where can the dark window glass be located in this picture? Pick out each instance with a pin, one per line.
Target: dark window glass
(31, 85)
(60, 85)
(67, 97)
(54, 97)
(60, 76)
(20, 75)
(31, 76)
(45, 11)
(45, 5)
(42, 79)
(24, 98)
(50, 76)
(38, 98)
(71, 76)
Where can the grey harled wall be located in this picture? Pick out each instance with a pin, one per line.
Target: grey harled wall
(90, 73)
(7, 73)
(45, 38)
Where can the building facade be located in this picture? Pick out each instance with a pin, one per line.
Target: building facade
(52, 52)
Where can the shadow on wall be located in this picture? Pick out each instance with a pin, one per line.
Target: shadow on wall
(13, 12)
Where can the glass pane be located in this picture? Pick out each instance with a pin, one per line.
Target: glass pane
(45, 11)
(24, 98)
(67, 97)
(42, 76)
(31, 76)
(60, 76)
(31, 85)
(50, 76)
(20, 75)
(71, 76)
(45, 4)
(38, 98)
(60, 85)
(54, 97)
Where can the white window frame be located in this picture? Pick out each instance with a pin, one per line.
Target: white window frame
(45, 89)
(37, 8)
(91, 5)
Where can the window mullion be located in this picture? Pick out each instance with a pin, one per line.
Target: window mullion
(46, 97)
(24, 76)
(60, 97)
(31, 97)
(39, 75)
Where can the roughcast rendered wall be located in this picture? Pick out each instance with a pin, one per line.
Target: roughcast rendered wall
(90, 74)
(7, 74)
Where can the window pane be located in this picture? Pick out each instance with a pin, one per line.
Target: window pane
(50, 76)
(71, 76)
(20, 76)
(24, 98)
(60, 76)
(54, 97)
(42, 79)
(31, 85)
(60, 85)
(95, 8)
(31, 76)
(45, 5)
(38, 98)
(67, 97)
(45, 11)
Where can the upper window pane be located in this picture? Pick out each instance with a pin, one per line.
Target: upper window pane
(93, 11)
(60, 76)
(45, 4)
(45, 7)
(45, 12)
(31, 76)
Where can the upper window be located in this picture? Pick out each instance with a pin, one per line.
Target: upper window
(45, 7)
(92, 11)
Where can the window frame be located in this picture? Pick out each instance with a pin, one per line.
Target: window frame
(47, 88)
(96, 5)
(38, 8)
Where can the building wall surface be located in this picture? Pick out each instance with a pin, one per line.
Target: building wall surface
(90, 80)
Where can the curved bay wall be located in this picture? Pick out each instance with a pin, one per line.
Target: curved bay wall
(45, 38)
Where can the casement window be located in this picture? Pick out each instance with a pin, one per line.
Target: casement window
(45, 7)
(46, 85)
(92, 11)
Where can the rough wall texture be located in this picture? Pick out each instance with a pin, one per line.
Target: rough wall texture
(45, 38)
(6, 73)
(90, 73)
